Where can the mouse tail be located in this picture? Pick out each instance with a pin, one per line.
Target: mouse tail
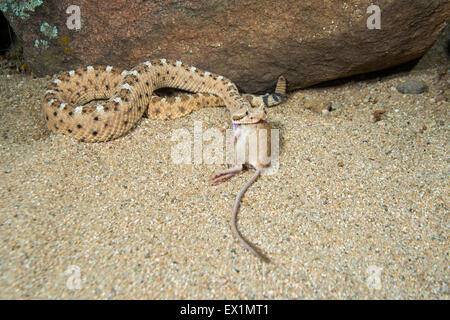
(237, 204)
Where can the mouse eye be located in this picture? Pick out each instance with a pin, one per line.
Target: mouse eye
(246, 113)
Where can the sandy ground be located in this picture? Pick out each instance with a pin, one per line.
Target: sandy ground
(357, 210)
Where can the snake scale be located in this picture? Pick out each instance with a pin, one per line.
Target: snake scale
(125, 96)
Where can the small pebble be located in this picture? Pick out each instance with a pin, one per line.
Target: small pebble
(377, 115)
(412, 87)
(336, 106)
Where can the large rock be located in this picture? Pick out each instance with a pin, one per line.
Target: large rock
(251, 42)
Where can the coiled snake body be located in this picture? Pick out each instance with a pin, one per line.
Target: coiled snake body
(125, 96)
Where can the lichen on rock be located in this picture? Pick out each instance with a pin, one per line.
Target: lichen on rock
(48, 30)
(20, 8)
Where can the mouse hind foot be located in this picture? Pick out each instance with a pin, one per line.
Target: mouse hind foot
(222, 176)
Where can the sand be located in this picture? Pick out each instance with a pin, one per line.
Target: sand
(358, 208)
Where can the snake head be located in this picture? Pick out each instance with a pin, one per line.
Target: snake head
(248, 115)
